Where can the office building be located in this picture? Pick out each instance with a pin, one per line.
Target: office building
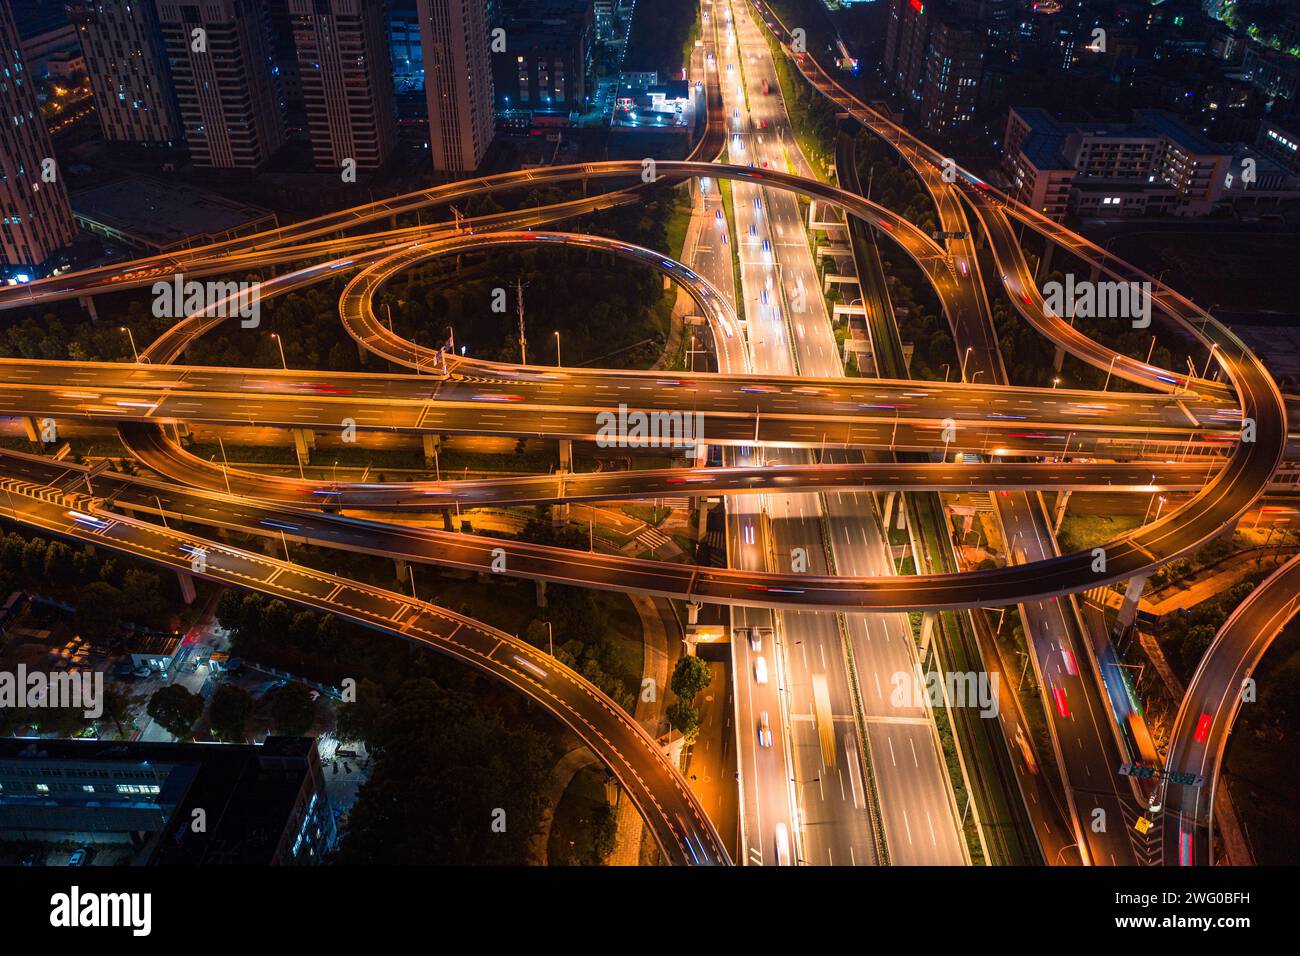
(547, 56)
(454, 42)
(128, 71)
(223, 69)
(347, 80)
(35, 218)
(262, 805)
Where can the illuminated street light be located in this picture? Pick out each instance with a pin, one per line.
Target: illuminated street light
(281, 345)
(134, 354)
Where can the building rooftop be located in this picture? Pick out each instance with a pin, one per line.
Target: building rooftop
(247, 791)
(149, 213)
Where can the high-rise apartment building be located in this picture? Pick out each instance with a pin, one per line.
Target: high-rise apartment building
(954, 65)
(128, 72)
(454, 41)
(347, 80)
(934, 56)
(223, 70)
(35, 219)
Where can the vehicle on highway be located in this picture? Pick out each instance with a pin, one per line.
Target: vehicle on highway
(1062, 707)
(1203, 725)
(80, 856)
(764, 730)
(760, 670)
(782, 845)
(1026, 753)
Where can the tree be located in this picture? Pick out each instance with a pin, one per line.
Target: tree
(446, 767)
(176, 709)
(690, 676)
(684, 718)
(292, 709)
(229, 712)
(99, 611)
(605, 820)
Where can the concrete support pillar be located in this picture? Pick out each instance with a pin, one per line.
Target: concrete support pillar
(363, 354)
(431, 444)
(87, 302)
(566, 454)
(693, 612)
(559, 515)
(33, 428)
(1128, 610)
(1058, 358)
(1062, 499)
(1045, 263)
(702, 523)
(928, 620)
(446, 520)
(701, 455)
(890, 500)
(901, 522)
(304, 441)
(187, 586)
(184, 436)
(403, 569)
(541, 592)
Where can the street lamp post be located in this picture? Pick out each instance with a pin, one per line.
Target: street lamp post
(1210, 358)
(280, 344)
(131, 338)
(964, 358)
(1111, 367)
(558, 364)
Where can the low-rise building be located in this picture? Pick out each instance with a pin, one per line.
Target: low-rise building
(154, 216)
(1152, 164)
(263, 804)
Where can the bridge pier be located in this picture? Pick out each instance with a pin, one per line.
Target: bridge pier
(1058, 358)
(693, 612)
(304, 440)
(1045, 263)
(403, 569)
(1128, 610)
(431, 445)
(890, 500)
(1062, 499)
(559, 515)
(87, 302)
(566, 454)
(541, 592)
(187, 586)
(928, 621)
(446, 520)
